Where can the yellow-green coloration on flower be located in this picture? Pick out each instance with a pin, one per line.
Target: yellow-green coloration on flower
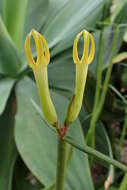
(81, 74)
(40, 72)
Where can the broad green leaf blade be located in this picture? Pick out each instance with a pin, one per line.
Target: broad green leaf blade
(104, 147)
(73, 17)
(37, 143)
(10, 62)
(123, 185)
(2, 4)
(35, 15)
(60, 68)
(121, 57)
(5, 89)
(15, 18)
(29, 14)
(119, 13)
(54, 8)
(125, 37)
(8, 152)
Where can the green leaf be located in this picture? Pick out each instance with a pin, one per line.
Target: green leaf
(15, 11)
(104, 147)
(57, 71)
(35, 15)
(5, 89)
(125, 37)
(37, 143)
(120, 57)
(119, 13)
(73, 17)
(10, 62)
(53, 9)
(123, 185)
(8, 152)
(2, 4)
(29, 14)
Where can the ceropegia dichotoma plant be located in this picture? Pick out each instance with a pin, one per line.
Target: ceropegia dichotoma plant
(40, 72)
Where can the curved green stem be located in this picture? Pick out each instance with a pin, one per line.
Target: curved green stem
(97, 90)
(61, 164)
(94, 153)
(97, 112)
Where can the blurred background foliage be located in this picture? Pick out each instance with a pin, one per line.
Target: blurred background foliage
(27, 145)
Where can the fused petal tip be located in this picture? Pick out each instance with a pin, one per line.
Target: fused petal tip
(87, 55)
(43, 55)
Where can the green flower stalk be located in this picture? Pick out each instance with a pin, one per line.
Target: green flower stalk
(40, 73)
(74, 106)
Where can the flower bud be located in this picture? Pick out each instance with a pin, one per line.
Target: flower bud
(40, 73)
(75, 104)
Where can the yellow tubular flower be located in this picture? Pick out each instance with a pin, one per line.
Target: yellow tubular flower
(40, 72)
(74, 106)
